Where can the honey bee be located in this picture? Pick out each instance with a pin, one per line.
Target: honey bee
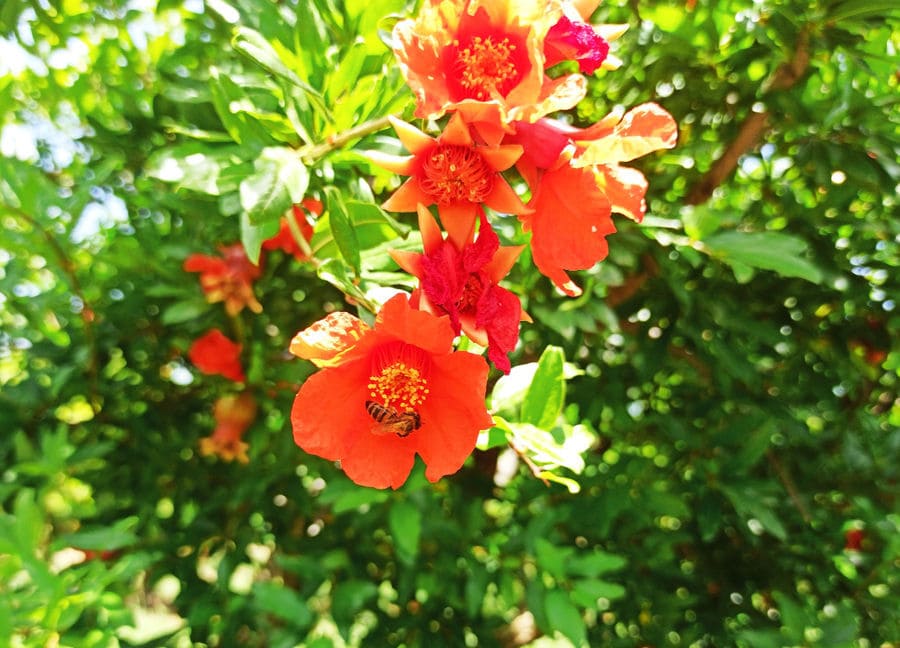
(390, 420)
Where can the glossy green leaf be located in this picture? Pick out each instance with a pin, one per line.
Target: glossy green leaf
(279, 180)
(342, 228)
(776, 251)
(547, 393)
(406, 527)
(563, 616)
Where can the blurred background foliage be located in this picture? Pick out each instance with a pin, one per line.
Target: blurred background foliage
(722, 471)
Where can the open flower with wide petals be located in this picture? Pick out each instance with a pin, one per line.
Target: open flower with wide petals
(388, 393)
(452, 172)
(215, 353)
(485, 59)
(234, 414)
(577, 182)
(228, 278)
(462, 281)
(285, 239)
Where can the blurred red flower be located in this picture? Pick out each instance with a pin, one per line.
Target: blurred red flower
(228, 278)
(462, 281)
(234, 413)
(214, 353)
(453, 173)
(285, 240)
(388, 393)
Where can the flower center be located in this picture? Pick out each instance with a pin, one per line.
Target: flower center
(453, 173)
(485, 66)
(471, 293)
(398, 384)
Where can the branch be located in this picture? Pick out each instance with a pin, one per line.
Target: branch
(313, 152)
(754, 126)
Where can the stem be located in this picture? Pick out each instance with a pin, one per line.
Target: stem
(87, 313)
(313, 152)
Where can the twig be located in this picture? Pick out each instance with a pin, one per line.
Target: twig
(313, 152)
(788, 484)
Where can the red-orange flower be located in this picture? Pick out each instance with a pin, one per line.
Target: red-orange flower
(228, 278)
(453, 173)
(214, 353)
(485, 59)
(285, 239)
(462, 281)
(233, 414)
(577, 182)
(388, 393)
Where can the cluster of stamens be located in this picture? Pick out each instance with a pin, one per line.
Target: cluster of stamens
(452, 173)
(485, 66)
(399, 386)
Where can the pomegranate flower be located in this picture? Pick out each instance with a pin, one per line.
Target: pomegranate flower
(577, 182)
(214, 353)
(228, 278)
(233, 414)
(388, 393)
(285, 240)
(453, 173)
(462, 282)
(484, 59)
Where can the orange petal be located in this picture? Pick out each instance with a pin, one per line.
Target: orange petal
(501, 157)
(379, 460)
(407, 197)
(569, 225)
(625, 188)
(398, 320)
(458, 220)
(431, 232)
(643, 129)
(412, 138)
(411, 262)
(325, 341)
(503, 261)
(453, 414)
(399, 164)
(456, 132)
(504, 200)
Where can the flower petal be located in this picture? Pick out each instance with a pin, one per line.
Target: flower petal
(625, 188)
(329, 410)
(454, 413)
(379, 461)
(643, 129)
(411, 137)
(397, 319)
(407, 197)
(570, 222)
(327, 340)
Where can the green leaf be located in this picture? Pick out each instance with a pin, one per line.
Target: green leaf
(563, 616)
(552, 558)
(349, 597)
(282, 602)
(594, 564)
(254, 45)
(545, 450)
(279, 180)
(547, 393)
(406, 526)
(585, 592)
(342, 228)
(767, 250)
(253, 236)
(862, 9)
(184, 311)
(196, 167)
(107, 538)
